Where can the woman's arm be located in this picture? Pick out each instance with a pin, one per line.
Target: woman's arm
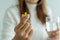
(8, 26)
(23, 31)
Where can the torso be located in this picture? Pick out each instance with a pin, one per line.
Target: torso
(39, 29)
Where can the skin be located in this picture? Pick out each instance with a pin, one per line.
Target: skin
(24, 30)
(54, 35)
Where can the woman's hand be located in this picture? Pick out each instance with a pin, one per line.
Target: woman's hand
(54, 35)
(23, 30)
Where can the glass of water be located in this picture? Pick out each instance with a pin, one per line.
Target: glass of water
(52, 25)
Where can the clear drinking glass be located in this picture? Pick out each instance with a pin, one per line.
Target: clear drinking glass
(52, 25)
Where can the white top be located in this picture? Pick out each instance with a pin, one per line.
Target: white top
(12, 18)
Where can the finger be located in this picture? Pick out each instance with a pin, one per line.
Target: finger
(24, 28)
(55, 34)
(30, 34)
(26, 17)
(28, 30)
(24, 20)
(22, 23)
(25, 14)
(19, 26)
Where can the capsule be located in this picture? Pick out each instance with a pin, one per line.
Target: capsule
(25, 14)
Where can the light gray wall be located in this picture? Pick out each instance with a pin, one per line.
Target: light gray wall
(55, 6)
(4, 4)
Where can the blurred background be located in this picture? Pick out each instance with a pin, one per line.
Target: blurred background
(4, 4)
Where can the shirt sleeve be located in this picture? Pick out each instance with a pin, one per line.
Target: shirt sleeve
(8, 26)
